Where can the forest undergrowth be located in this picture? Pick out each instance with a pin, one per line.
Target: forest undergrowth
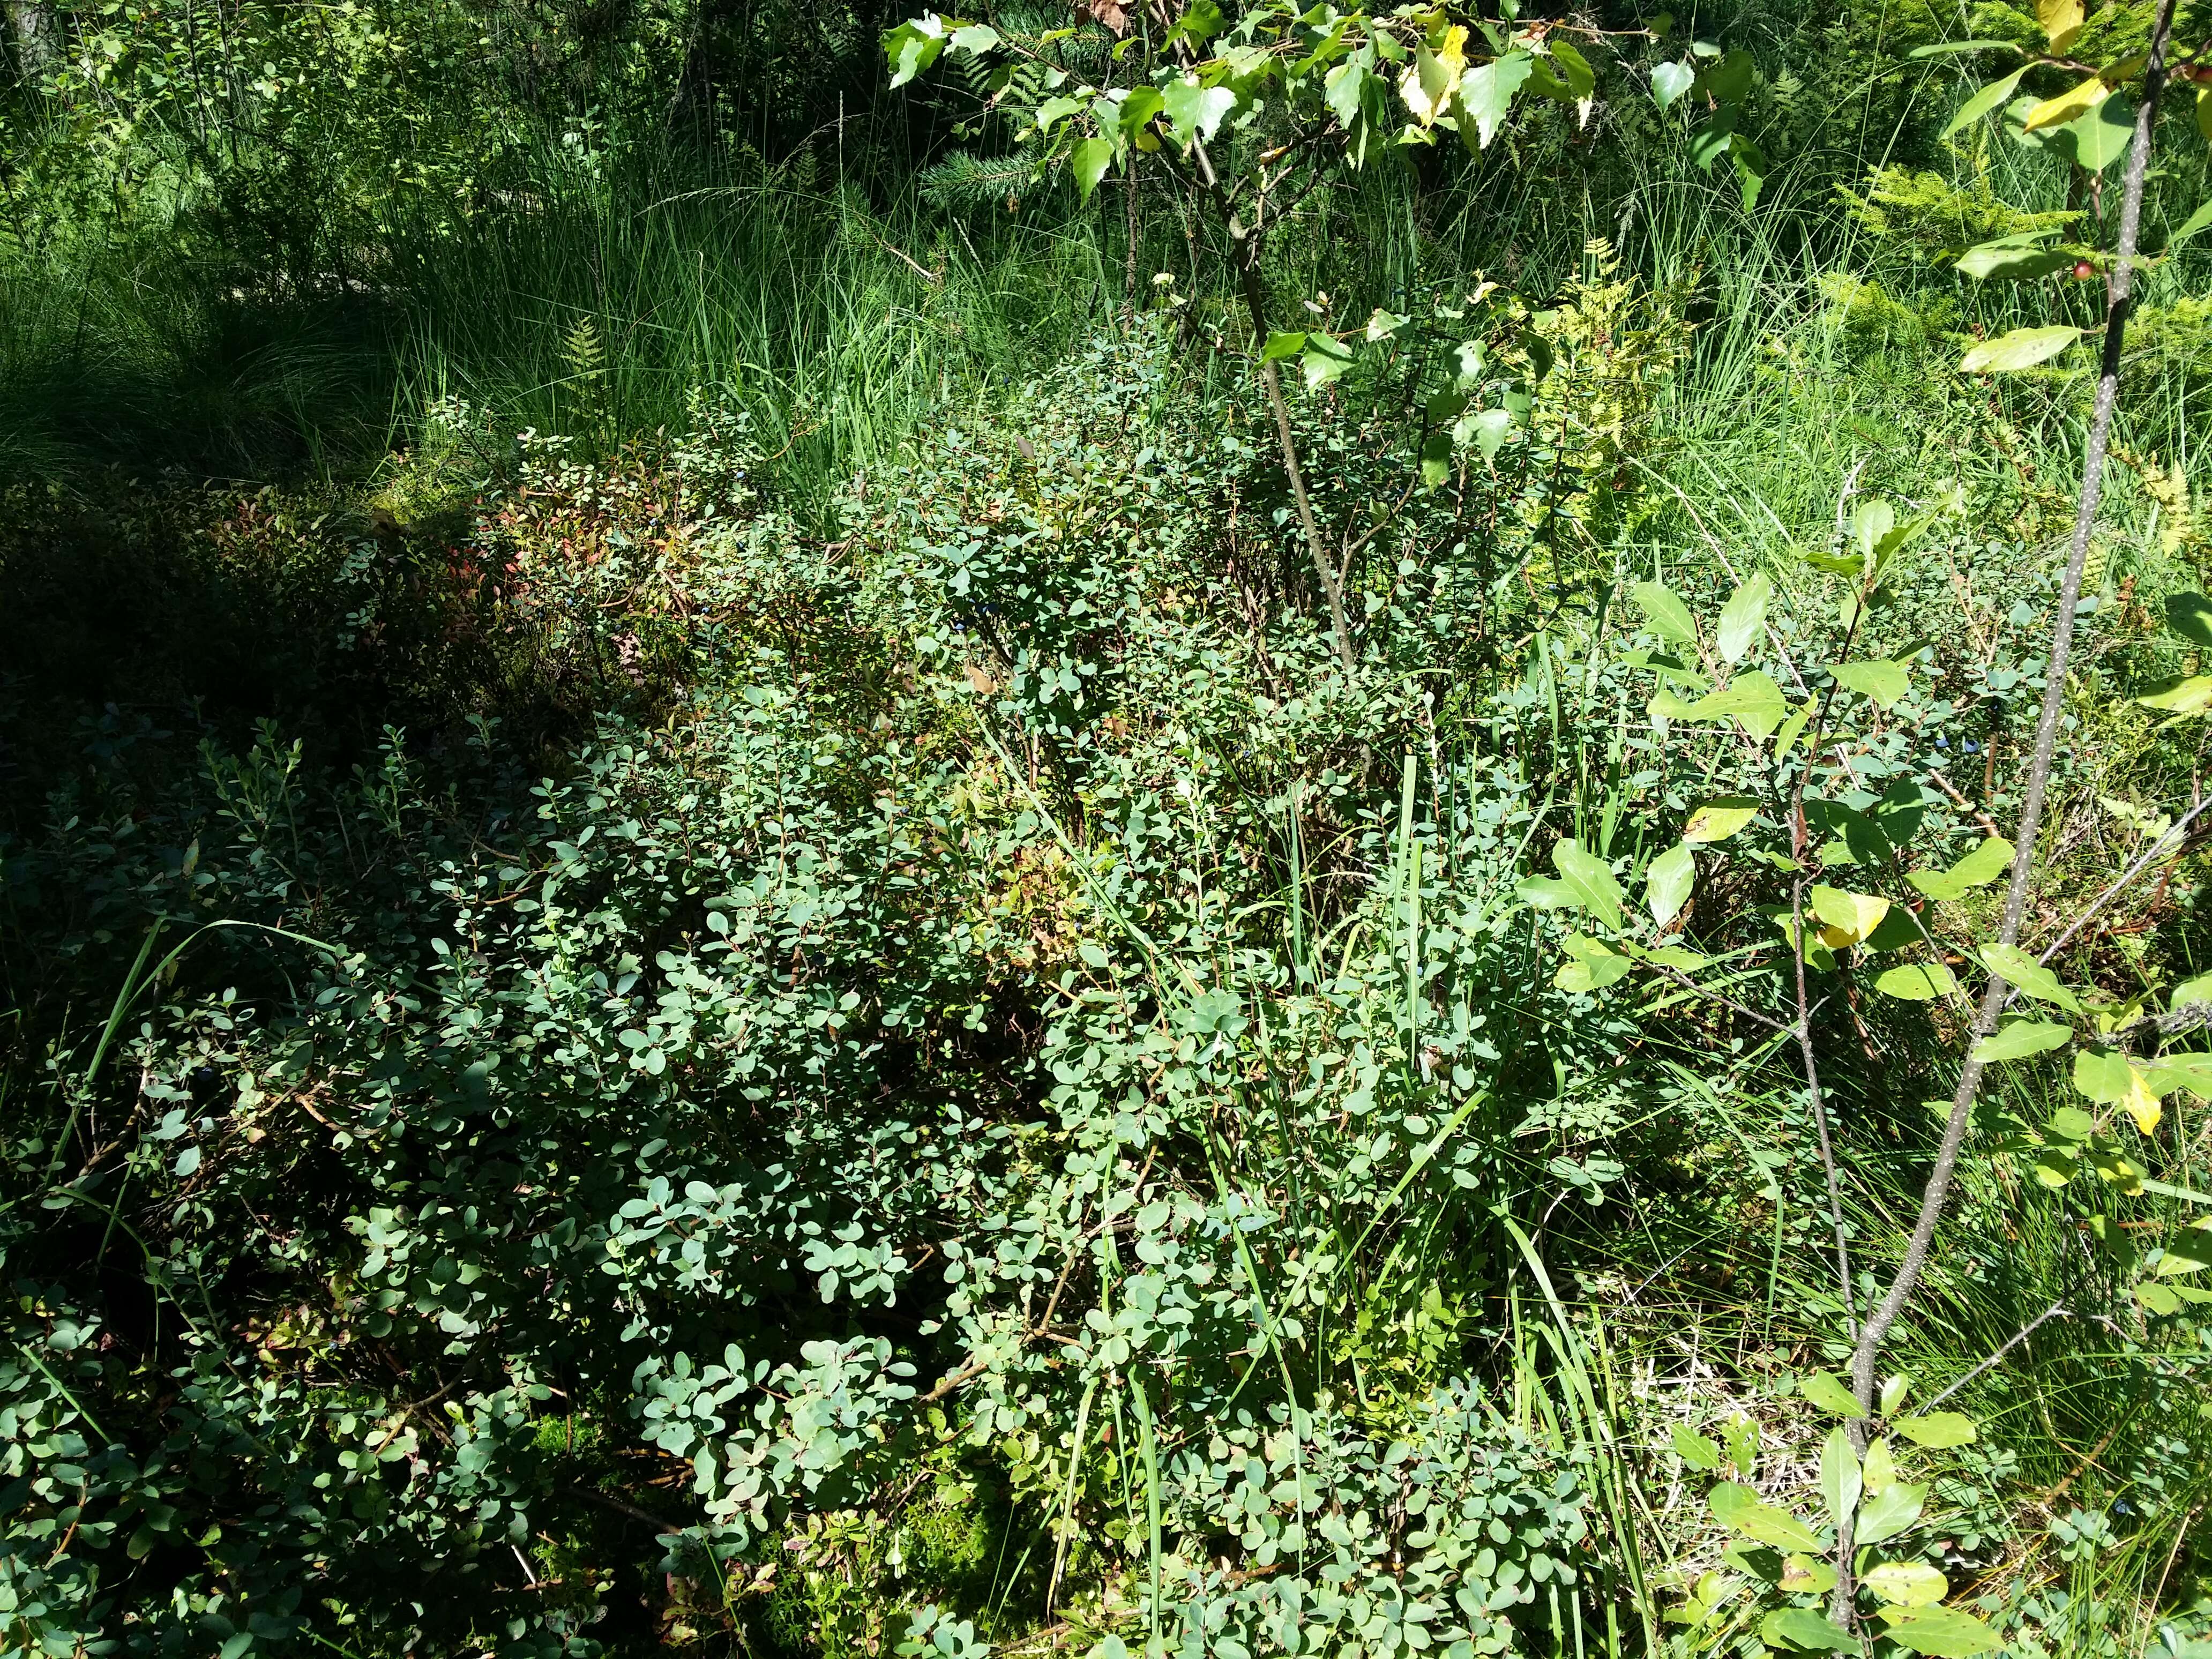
(726, 925)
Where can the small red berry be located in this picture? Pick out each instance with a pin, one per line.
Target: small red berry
(2083, 270)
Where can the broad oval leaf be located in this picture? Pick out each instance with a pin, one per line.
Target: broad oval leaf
(1805, 1630)
(1993, 262)
(1889, 1512)
(2024, 348)
(2076, 101)
(1669, 82)
(1716, 820)
(1752, 698)
(2191, 697)
(1908, 1583)
(2022, 972)
(1590, 880)
(1980, 867)
(1667, 882)
(1849, 917)
(2021, 1039)
(1830, 1393)
(1916, 982)
(2182, 1071)
(1669, 617)
(1883, 683)
(1742, 616)
(1940, 1633)
(1764, 1524)
(1840, 1481)
(1937, 1431)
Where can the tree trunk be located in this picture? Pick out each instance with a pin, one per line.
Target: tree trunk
(36, 27)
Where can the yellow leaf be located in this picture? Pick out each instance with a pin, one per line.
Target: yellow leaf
(2204, 113)
(1453, 52)
(2142, 1102)
(1848, 917)
(1427, 85)
(2061, 20)
(2069, 106)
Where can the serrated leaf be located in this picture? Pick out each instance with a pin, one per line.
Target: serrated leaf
(1490, 428)
(1484, 95)
(1716, 820)
(1280, 345)
(2021, 970)
(1056, 109)
(1193, 111)
(2023, 348)
(976, 39)
(1989, 98)
(1591, 880)
(1694, 1448)
(1830, 1393)
(1940, 1633)
(1667, 882)
(1889, 1512)
(912, 47)
(1669, 617)
(1883, 682)
(1384, 325)
(1669, 82)
(1992, 859)
(1345, 90)
(2021, 1039)
(1907, 1584)
(1937, 1431)
(1325, 358)
(1090, 160)
(1428, 83)
(1742, 616)
(1916, 982)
